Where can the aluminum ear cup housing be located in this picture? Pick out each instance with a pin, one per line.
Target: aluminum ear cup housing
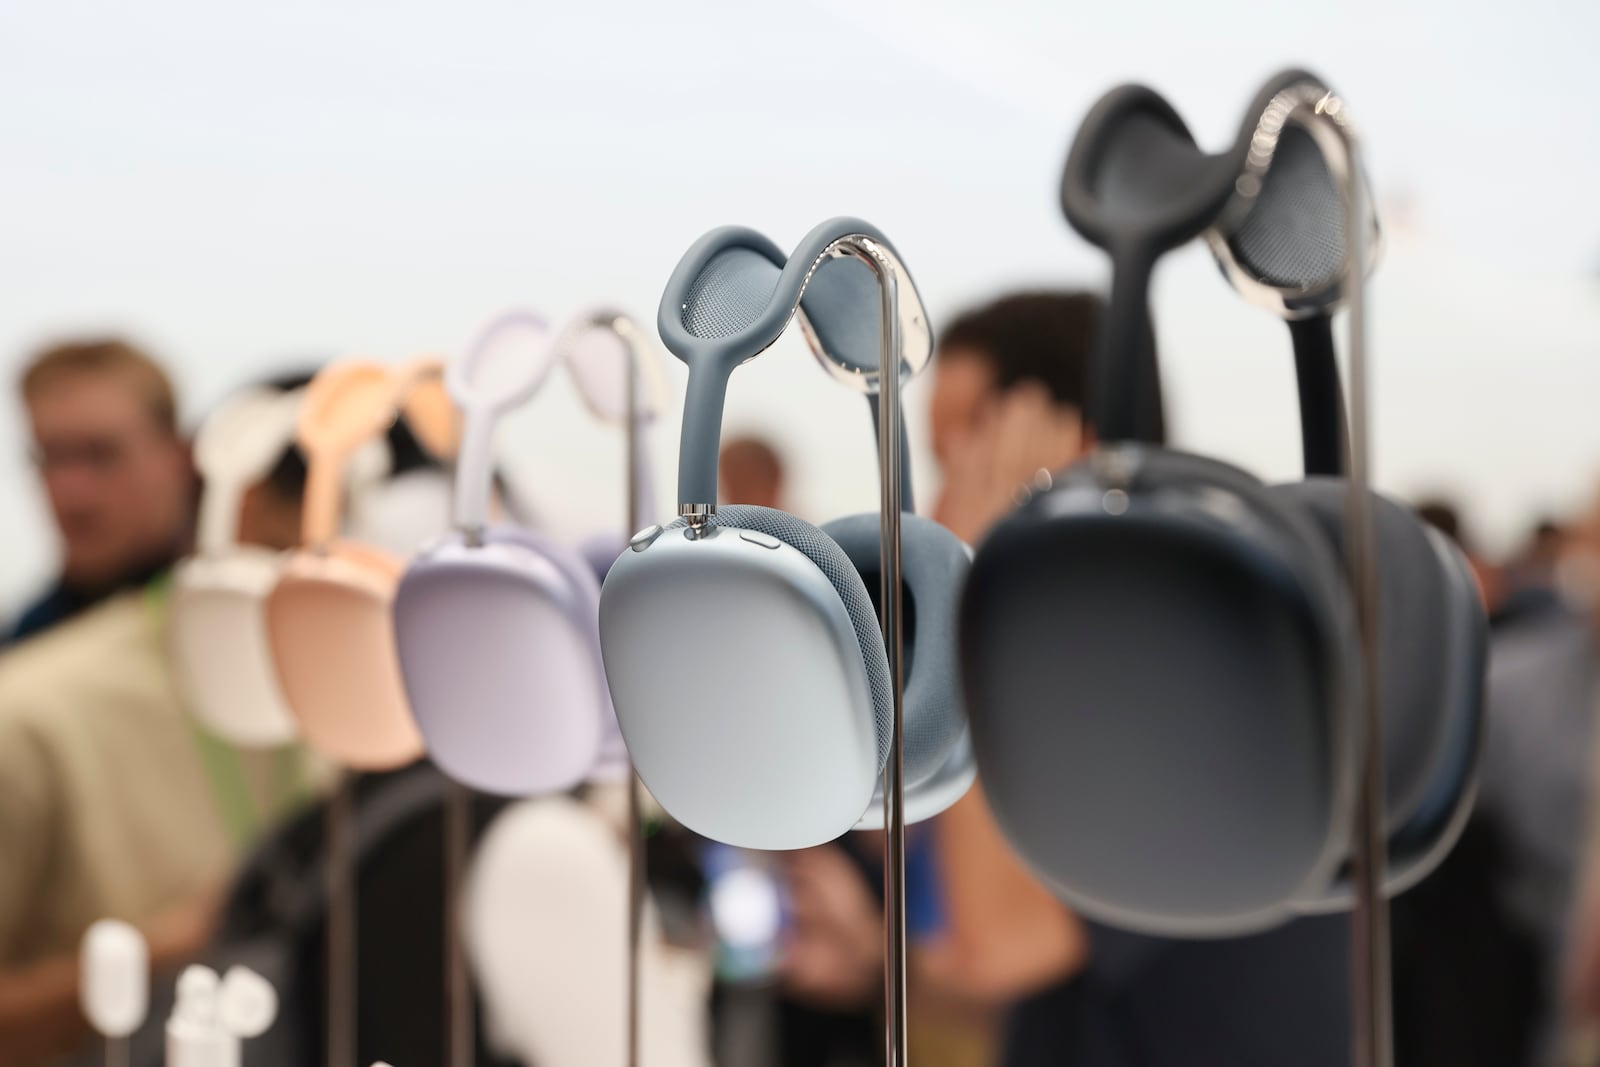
(789, 717)
(1157, 664)
(221, 657)
(217, 636)
(333, 641)
(499, 655)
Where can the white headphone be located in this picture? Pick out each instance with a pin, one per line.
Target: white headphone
(547, 945)
(221, 657)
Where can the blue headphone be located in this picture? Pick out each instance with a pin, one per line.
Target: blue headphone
(742, 644)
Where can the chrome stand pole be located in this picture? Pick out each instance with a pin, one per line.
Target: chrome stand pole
(891, 615)
(341, 924)
(636, 872)
(1371, 999)
(459, 1035)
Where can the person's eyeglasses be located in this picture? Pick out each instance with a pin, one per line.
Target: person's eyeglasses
(96, 455)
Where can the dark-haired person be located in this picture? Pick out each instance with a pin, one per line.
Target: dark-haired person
(1540, 765)
(1009, 399)
(115, 468)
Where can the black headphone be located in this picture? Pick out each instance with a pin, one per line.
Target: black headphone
(1161, 664)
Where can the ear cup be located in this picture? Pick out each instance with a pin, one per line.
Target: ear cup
(545, 924)
(1416, 657)
(222, 660)
(838, 568)
(582, 569)
(933, 567)
(748, 677)
(1432, 658)
(500, 653)
(1157, 665)
(330, 624)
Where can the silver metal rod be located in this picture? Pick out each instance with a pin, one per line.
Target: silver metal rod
(636, 872)
(341, 925)
(1371, 1000)
(1373, 1011)
(116, 1052)
(459, 1029)
(892, 617)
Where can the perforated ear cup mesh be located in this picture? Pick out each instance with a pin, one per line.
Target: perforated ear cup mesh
(934, 566)
(729, 294)
(836, 566)
(1294, 234)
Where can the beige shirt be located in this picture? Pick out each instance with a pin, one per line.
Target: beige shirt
(107, 808)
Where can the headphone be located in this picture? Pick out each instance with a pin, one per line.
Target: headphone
(741, 645)
(220, 653)
(328, 616)
(1157, 641)
(548, 881)
(496, 625)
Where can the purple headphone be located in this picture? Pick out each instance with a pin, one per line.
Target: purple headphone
(496, 625)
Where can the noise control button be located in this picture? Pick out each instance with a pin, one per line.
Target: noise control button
(759, 539)
(644, 538)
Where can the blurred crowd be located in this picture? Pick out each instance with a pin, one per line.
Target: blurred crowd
(114, 802)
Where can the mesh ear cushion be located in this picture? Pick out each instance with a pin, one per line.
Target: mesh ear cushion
(1424, 650)
(934, 565)
(841, 572)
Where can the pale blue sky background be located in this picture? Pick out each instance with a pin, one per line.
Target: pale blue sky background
(238, 185)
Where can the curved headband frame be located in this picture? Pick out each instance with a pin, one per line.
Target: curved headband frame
(350, 403)
(236, 447)
(482, 411)
(838, 314)
(1137, 185)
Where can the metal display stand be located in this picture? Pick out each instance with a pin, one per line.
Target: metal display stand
(891, 472)
(459, 1031)
(636, 871)
(1371, 998)
(340, 930)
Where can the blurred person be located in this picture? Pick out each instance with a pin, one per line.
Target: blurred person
(1539, 577)
(117, 472)
(113, 802)
(1540, 764)
(1535, 563)
(1009, 400)
(1456, 922)
(750, 471)
(1504, 603)
(1444, 516)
